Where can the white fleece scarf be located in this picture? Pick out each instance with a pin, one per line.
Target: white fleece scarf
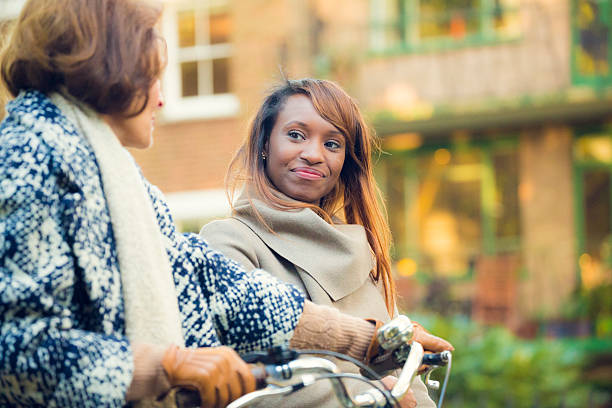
(151, 306)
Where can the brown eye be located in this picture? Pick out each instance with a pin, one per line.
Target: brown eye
(294, 134)
(333, 145)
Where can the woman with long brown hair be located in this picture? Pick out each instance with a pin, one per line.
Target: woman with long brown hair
(308, 212)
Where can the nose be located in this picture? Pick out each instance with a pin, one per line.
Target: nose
(312, 152)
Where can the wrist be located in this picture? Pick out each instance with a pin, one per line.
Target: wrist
(149, 379)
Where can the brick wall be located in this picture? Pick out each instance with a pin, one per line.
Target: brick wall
(190, 155)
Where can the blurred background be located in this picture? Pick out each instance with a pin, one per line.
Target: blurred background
(495, 118)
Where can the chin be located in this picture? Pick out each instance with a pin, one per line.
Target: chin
(150, 144)
(305, 199)
(146, 143)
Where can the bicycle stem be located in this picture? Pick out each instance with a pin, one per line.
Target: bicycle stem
(314, 365)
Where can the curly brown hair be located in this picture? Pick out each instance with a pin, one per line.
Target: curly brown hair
(105, 53)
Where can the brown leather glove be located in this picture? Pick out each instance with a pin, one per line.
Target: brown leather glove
(218, 373)
(430, 342)
(377, 358)
(374, 348)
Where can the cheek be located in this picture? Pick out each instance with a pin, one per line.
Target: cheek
(336, 166)
(281, 156)
(273, 168)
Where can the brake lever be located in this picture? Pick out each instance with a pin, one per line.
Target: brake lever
(434, 361)
(431, 384)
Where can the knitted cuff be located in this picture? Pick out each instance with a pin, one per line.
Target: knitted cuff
(149, 379)
(323, 327)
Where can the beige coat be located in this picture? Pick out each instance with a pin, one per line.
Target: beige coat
(330, 263)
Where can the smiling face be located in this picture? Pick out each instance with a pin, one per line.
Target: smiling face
(305, 153)
(137, 131)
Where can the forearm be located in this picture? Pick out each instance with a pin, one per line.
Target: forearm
(323, 327)
(251, 311)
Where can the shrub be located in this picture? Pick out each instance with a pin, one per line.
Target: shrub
(493, 368)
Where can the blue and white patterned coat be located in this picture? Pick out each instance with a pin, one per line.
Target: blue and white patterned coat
(62, 327)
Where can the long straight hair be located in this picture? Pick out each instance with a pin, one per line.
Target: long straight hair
(355, 199)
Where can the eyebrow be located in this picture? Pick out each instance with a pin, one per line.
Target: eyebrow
(304, 125)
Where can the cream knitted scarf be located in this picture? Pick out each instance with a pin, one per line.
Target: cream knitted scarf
(151, 305)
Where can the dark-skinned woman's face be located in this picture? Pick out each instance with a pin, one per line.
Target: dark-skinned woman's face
(305, 153)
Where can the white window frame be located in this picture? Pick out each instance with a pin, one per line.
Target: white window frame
(10, 9)
(177, 107)
(198, 204)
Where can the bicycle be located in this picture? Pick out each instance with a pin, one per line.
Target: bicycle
(282, 371)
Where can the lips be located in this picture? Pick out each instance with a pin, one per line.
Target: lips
(308, 173)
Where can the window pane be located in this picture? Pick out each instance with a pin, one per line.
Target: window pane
(507, 18)
(410, 23)
(449, 211)
(189, 78)
(594, 148)
(387, 26)
(220, 75)
(594, 262)
(448, 18)
(220, 27)
(597, 208)
(505, 165)
(593, 39)
(186, 27)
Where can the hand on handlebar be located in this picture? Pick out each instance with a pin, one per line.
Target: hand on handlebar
(217, 373)
(382, 360)
(430, 342)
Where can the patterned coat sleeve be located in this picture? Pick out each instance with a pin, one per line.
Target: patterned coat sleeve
(249, 311)
(48, 356)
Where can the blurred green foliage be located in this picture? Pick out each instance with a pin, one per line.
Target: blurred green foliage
(493, 368)
(594, 305)
(591, 304)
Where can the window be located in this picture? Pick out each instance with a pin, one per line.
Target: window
(450, 210)
(449, 205)
(593, 201)
(418, 25)
(197, 81)
(10, 9)
(591, 54)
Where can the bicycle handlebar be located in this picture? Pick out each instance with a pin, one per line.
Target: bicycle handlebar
(282, 371)
(283, 378)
